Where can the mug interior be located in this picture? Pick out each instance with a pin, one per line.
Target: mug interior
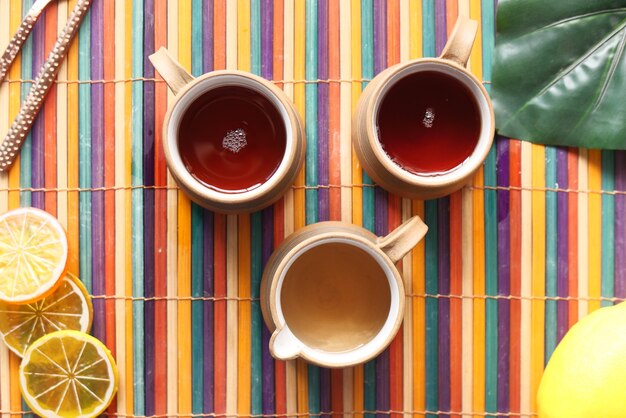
(483, 142)
(187, 99)
(338, 297)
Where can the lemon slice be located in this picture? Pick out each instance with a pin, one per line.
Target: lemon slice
(68, 374)
(68, 307)
(33, 254)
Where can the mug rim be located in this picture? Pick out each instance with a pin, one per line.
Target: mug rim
(195, 90)
(485, 107)
(387, 331)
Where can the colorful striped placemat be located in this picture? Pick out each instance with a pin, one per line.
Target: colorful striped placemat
(535, 242)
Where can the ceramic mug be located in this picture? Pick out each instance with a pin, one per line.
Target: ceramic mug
(332, 295)
(422, 128)
(232, 141)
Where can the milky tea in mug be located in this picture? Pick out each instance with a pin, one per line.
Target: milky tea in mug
(331, 293)
(335, 296)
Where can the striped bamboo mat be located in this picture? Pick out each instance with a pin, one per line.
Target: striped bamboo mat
(537, 241)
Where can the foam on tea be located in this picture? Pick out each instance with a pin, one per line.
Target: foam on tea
(335, 297)
(232, 139)
(428, 123)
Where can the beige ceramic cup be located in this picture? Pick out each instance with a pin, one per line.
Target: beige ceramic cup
(332, 295)
(188, 89)
(380, 167)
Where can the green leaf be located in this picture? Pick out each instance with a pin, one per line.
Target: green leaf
(559, 73)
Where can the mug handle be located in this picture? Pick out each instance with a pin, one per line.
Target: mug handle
(172, 72)
(459, 45)
(403, 238)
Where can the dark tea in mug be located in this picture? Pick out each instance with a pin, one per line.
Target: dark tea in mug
(429, 123)
(232, 139)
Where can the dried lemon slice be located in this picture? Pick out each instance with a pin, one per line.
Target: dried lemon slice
(33, 254)
(68, 374)
(68, 307)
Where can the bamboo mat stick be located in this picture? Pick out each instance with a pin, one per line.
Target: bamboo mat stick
(515, 272)
(467, 338)
(26, 151)
(49, 118)
(299, 213)
(84, 154)
(184, 241)
(526, 278)
(312, 159)
(573, 236)
(480, 381)
(72, 153)
(199, 327)
(406, 210)
(161, 225)
(456, 274)
(594, 166)
(61, 126)
(231, 243)
(415, 399)
(244, 316)
(583, 234)
(334, 175)
(289, 226)
(431, 264)
(452, 12)
(260, 64)
(607, 217)
(280, 219)
(15, 19)
(288, 74)
(393, 395)
(5, 36)
(299, 99)
(127, 218)
(97, 168)
(456, 306)
(172, 243)
(563, 242)
(5, 381)
(361, 49)
(551, 250)
(137, 211)
(538, 271)
(330, 382)
(120, 198)
(311, 109)
(360, 53)
(231, 314)
(415, 13)
(479, 305)
(346, 109)
(109, 174)
(419, 318)
(405, 30)
(288, 57)
(219, 34)
(243, 251)
(220, 343)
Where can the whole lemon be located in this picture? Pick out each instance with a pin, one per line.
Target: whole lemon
(586, 376)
